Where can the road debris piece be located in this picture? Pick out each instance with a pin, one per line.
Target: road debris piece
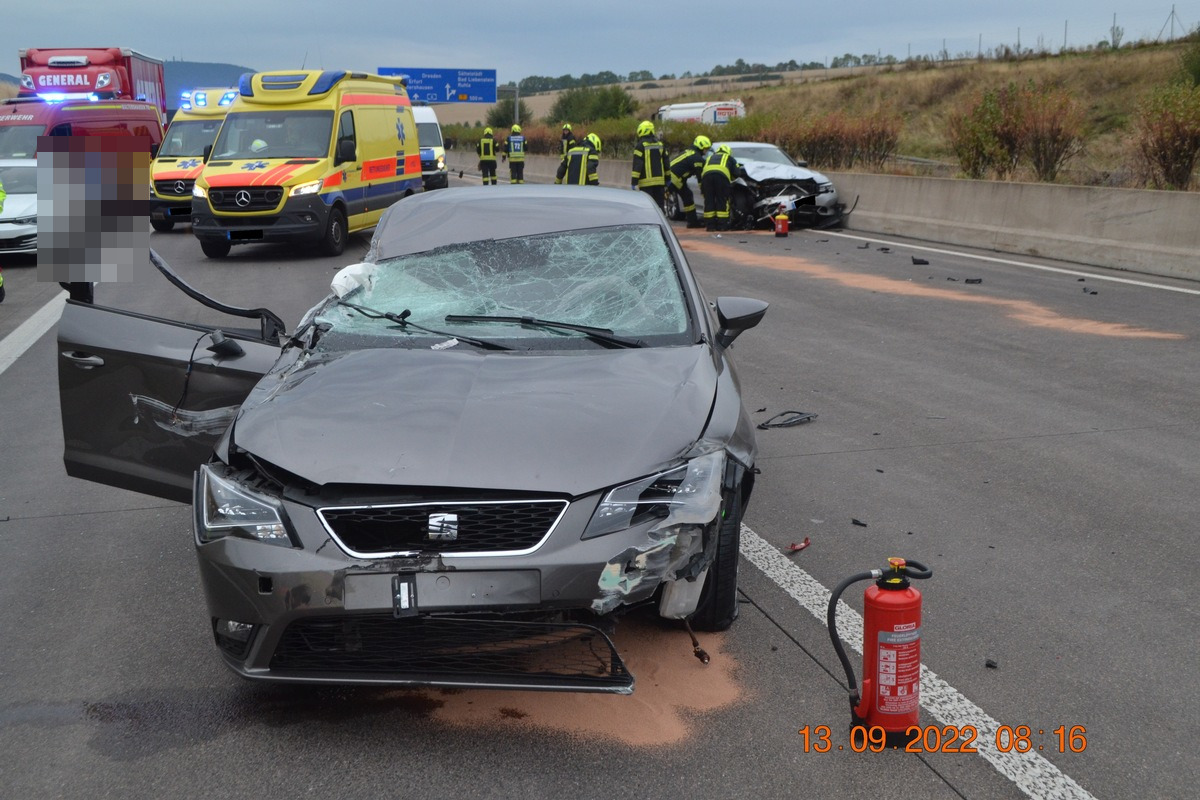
(920, 262)
(879, 470)
(789, 418)
(759, 411)
(951, 279)
(1086, 290)
(858, 522)
(973, 280)
(865, 246)
(697, 650)
(796, 548)
(990, 664)
(885, 249)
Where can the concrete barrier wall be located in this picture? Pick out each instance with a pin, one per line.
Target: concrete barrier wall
(1154, 232)
(1140, 230)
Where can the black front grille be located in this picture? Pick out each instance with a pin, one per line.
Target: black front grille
(454, 651)
(426, 166)
(173, 188)
(476, 527)
(19, 242)
(245, 198)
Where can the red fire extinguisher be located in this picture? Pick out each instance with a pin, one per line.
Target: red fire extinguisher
(781, 223)
(890, 697)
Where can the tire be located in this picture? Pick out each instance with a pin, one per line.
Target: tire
(718, 606)
(335, 233)
(215, 248)
(161, 225)
(671, 206)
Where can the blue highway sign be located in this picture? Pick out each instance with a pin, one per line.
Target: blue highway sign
(448, 85)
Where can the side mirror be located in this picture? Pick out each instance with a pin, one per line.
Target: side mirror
(737, 314)
(207, 152)
(153, 150)
(346, 151)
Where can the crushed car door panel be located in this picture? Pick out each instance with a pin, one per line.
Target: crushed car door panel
(144, 400)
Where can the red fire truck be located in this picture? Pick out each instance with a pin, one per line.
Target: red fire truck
(96, 73)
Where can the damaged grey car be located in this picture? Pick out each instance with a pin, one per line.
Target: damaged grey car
(514, 422)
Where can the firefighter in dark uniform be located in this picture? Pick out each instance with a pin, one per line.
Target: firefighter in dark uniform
(581, 164)
(514, 149)
(568, 138)
(649, 163)
(720, 171)
(689, 164)
(487, 157)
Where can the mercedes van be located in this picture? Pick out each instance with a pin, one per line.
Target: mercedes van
(306, 156)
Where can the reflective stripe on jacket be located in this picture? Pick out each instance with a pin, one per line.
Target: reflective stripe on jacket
(649, 163)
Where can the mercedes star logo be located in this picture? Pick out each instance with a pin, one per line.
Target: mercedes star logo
(242, 198)
(180, 187)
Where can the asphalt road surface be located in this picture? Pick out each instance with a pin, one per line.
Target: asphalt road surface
(1030, 434)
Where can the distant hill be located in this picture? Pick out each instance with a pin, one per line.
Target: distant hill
(184, 75)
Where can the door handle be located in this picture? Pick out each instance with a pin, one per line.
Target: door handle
(83, 360)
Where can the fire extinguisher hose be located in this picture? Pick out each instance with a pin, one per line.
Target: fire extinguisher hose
(831, 621)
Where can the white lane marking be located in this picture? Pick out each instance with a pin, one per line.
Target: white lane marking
(16, 343)
(1031, 772)
(1013, 263)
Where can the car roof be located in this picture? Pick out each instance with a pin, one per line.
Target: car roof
(466, 214)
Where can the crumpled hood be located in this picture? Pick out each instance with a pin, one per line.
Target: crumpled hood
(19, 206)
(766, 171)
(569, 423)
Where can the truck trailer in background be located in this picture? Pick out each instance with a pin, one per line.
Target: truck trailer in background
(717, 113)
(102, 73)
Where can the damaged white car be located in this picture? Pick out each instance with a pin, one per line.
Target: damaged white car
(777, 182)
(515, 421)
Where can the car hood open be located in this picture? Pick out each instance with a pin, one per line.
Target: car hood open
(563, 423)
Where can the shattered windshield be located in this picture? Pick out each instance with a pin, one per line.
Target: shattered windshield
(621, 279)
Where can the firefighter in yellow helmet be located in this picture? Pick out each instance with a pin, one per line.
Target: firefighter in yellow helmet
(720, 170)
(514, 150)
(580, 165)
(486, 148)
(649, 163)
(568, 138)
(689, 164)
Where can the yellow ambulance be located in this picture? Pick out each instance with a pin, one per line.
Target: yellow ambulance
(173, 172)
(306, 156)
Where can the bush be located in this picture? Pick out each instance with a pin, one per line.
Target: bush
(1053, 129)
(588, 103)
(1168, 135)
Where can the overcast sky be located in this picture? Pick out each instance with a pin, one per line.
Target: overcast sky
(560, 38)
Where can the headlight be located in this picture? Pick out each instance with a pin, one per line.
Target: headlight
(199, 191)
(230, 509)
(824, 188)
(441, 162)
(312, 187)
(103, 80)
(23, 221)
(690, 494)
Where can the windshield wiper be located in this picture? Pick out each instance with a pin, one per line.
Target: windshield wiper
(402, 319)
(602, 335)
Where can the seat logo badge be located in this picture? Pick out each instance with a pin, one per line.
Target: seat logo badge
(242, 198)
(443, 527)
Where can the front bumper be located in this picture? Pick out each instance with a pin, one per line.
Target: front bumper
(300, 219)
(319, 615)
(173, 209)
(18, 238)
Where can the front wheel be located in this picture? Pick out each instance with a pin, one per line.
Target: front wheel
(335, 233)
(215, 248)
(718, 606)
(161, 225)
(671, 205)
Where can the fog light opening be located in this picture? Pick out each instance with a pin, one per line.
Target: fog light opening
(238, 631)
(265, 585)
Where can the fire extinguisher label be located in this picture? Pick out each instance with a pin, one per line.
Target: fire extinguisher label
(899, 671)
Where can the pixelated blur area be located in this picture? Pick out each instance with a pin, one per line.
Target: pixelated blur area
(93, 208)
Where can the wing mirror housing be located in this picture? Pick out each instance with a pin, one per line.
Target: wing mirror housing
(737, 314)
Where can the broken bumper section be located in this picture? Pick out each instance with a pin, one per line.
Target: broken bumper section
(501, 652)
